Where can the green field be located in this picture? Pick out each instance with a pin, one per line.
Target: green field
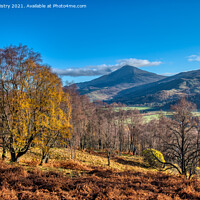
(133, 108)
(149, 115)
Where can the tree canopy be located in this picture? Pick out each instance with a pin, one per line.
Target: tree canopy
(33, 106)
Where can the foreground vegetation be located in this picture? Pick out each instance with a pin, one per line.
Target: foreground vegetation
(88, 177)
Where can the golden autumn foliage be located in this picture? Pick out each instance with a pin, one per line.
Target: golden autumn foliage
(34, 108)
(151, 156)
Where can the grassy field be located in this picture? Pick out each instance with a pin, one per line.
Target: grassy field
(89, 177)
(149, 115)
(133, 108)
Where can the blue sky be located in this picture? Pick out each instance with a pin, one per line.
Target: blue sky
(157, 35)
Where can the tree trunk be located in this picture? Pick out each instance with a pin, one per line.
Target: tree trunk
(47, 158)
(4, 154)
(13, 157)
(71, 152)
(134, 150)
(82, 143)
(131, 147)
(74, 153)
(44, 158)
(16, 157)
(120, 147)
(108, 156)
(4, 149)
(99, 144)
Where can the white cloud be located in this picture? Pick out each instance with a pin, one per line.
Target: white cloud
(193, 58)
(104, 69)
(86, 71)
(138, 62)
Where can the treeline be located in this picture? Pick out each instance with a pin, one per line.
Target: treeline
(37, 112)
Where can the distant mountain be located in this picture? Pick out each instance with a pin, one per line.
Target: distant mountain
(164, 92)
(107, 86)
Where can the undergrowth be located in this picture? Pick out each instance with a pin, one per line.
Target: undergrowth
(88, 177)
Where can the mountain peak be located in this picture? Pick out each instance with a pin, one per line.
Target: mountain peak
(127, 67)
(122, 78)
(131, 74)
(133, 70)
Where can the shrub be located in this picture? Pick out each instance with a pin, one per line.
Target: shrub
(152, 156)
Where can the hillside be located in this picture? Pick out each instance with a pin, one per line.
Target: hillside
(88, 178)
(107, 86)
(163, 92)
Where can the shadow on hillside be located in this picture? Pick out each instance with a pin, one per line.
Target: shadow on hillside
(120, 160)
(131, 163)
